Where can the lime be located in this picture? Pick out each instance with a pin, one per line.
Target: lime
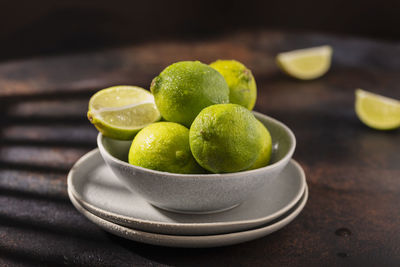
(119, 112)
(184, 88)
(225, 138)
(376, 111)
(242, 86)
(163, 146)
(306, 64)
(265, 153)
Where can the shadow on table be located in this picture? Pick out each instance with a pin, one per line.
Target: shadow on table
(26, 258)
(219, 256)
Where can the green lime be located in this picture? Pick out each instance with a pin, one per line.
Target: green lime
(119, 112)
(242, 86)
(226, 138)
(184, 88)
(376, 111)
(164, 146)
(265, 153)
(306, 64)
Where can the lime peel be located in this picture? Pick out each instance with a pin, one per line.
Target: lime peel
(226, 138)
(164, 146)
(185, 88)
(240, 80)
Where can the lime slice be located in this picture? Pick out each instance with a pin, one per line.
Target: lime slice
(376, 111)
(119, 112)
(306, 64)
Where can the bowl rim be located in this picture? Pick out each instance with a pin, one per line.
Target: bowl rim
(287, 157)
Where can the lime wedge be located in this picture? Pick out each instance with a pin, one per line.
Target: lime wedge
(119, 112)
(376, 111)
(306, 64)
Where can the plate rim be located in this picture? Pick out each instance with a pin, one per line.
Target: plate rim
(193, 241)
(170, 226)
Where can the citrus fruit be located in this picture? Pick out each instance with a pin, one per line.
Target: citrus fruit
(163, 146)
(306, 64)
(225, 138)
(376, 111)
(184, 88)
(240, 80)
(265, 153)
(119, 112)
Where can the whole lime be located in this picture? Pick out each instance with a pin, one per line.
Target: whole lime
(163, 146)
(225, 138)
(265, 153)
(242, 85)
(184, 88)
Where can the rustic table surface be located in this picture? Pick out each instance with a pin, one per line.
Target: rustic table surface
(353, 213)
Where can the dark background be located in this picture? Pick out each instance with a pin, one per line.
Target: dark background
(30, 28)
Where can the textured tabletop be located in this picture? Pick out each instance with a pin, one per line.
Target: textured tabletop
(353, 172)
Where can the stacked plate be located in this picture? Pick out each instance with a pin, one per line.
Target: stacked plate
(98, 194)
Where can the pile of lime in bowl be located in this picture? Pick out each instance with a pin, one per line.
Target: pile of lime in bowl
(196, 119)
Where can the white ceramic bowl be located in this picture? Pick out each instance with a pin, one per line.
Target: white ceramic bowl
(198, 193)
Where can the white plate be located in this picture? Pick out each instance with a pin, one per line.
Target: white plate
(194, 241)
(97, 189)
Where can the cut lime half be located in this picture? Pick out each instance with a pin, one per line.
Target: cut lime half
(119, 112)
(376, 111)
(306, 64)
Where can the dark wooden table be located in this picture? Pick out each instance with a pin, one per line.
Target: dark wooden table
(353, 172)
